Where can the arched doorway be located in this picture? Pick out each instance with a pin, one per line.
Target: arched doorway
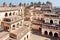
(40, 30)
(51, 21)
(27, 36)
(59, 22)
(50, 33)
(10, 14)
(45, 33)
(55, 35)
(13, 13)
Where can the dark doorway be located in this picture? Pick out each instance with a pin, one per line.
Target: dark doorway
(27, 36)
(40, 30)
(6, 14)
(50, 33)
(51, 21)
(43, 21)
(59, 22)
(55, 35)
(46, 33)
(10, 14)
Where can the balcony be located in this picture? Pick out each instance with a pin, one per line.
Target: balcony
(38, 22)
(46, 8)
(51, 26)
(11, 22)
(12, 19)
(51, 14)
(7, 20)
(46, 25)
(54, 16)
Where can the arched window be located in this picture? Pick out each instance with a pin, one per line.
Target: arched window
(9, 14)
(13, 13)
(21, 23)
(18, 25)
(46, 33)
(51, 21)
(16, 13)
(13, 27)
(6, 14)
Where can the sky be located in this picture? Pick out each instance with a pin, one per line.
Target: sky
(56, 3)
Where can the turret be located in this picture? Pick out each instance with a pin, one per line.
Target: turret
(4, 4)
(49, 4)
(10, 5)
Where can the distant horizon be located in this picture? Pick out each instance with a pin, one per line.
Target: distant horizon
(55, 3)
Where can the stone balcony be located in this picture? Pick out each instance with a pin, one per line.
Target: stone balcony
(46, 25)
(37, 22)
(11, 19)
(45, 8)
(51, 14)
(49, 26)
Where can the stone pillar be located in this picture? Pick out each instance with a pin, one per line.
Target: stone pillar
(42, 31)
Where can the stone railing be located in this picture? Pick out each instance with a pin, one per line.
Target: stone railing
(46, 25)
(49, 26)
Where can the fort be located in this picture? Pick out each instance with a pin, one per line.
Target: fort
(17, 21)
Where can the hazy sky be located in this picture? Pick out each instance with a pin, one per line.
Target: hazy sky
(54, 2)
